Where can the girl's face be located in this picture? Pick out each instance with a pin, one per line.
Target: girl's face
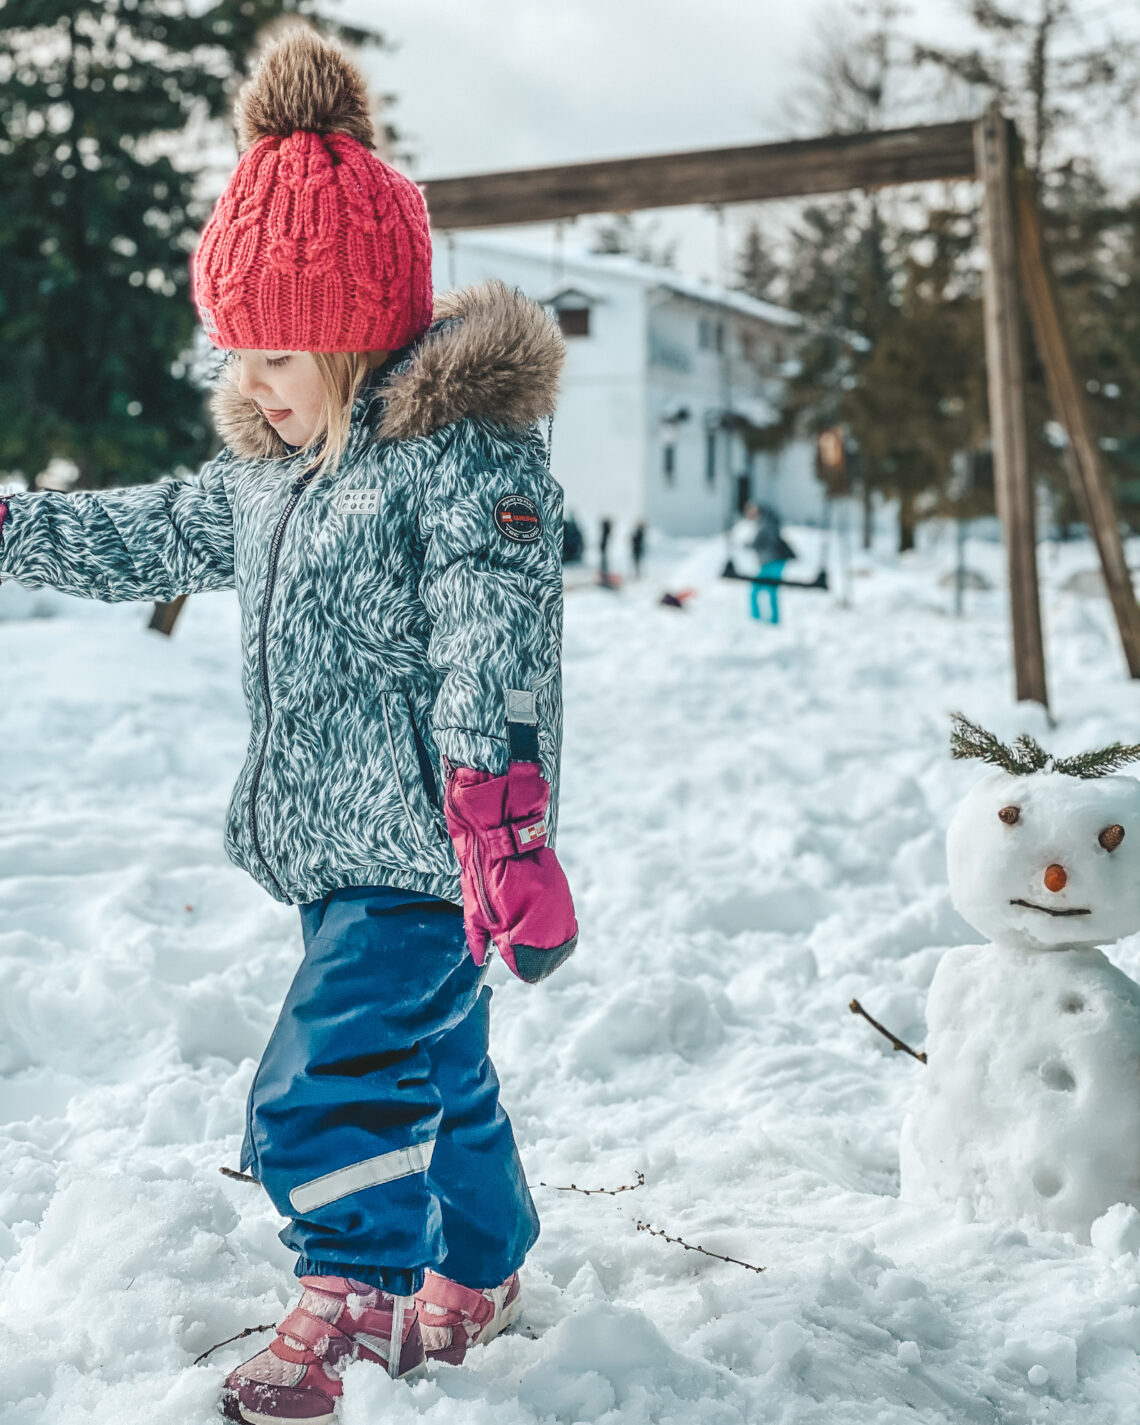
(287, 387)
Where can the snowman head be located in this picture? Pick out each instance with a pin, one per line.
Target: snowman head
(1048, 859)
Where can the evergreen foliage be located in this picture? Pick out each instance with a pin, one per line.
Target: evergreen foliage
(1065, 74)
(891, 288)
(623, 235)
(106, 111)
(1026, 755)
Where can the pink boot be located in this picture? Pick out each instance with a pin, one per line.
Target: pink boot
(297, 1377)
(454, 1317)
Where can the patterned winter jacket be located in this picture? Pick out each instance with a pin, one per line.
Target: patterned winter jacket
(392, 611)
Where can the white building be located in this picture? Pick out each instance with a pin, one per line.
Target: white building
(665, 376)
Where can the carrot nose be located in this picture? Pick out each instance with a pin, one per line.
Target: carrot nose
(1055, 878)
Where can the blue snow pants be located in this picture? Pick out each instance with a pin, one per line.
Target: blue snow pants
(374, 1120)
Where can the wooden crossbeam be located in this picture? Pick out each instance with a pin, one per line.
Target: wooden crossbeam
(796, 169)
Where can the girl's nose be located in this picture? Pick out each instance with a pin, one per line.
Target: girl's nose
(247, 383)
(1055, 877)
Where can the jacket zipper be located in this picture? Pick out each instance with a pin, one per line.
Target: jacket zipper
(263, 664)
(481, 885)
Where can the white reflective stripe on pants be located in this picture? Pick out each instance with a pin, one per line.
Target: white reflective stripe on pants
(399, 1163)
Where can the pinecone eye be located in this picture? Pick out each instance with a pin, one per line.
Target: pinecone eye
(1111, 837)
(1011, 816)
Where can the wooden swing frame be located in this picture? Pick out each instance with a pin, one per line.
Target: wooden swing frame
(1018, 267)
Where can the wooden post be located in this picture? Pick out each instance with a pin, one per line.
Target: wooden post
(1094, 495)
(1012, 480)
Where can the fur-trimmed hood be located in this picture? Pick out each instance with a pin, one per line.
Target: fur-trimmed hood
(490, 352)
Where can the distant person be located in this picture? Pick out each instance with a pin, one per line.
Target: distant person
(606, 530)
(772, 552)
(637, 547)
(572, 541)
(395, 540)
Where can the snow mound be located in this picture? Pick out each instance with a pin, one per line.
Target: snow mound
(1028, 1106)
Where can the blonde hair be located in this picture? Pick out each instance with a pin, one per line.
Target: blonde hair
(342, 374)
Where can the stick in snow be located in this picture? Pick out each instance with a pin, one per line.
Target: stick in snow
(693, 1247)
(237, 1177)
(597, 1192)
(856, 1008)
(241, 1335)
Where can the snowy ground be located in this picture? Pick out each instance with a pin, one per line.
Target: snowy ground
(753, 823)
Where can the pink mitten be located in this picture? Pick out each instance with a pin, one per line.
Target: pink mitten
(514, 890)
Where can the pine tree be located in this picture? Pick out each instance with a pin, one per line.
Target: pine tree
(758, 272)
(621, 234)
(99, 222)
(1056, 68)
(845, 271)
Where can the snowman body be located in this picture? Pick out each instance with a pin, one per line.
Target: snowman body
(1029, 1104)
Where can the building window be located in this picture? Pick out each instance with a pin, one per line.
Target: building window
(574, 321)
(710, 457)
(669, 462)
(710, 335)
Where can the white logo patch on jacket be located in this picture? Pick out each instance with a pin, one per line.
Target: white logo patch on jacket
(358, 502)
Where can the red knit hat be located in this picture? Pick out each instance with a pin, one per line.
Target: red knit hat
(315, 245)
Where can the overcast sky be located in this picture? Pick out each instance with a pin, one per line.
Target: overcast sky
(490, 84)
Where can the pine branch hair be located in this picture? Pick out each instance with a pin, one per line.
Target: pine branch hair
(1025, 754)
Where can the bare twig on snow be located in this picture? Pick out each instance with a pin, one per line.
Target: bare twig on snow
(693, 1247)
(597, 1192)
(241, 1335)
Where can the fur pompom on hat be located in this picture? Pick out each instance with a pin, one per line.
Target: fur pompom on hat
(316, 244)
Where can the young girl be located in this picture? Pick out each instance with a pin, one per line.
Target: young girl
(385, 512)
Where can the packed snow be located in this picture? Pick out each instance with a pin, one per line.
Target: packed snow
(1029, 1106)
(753, 822)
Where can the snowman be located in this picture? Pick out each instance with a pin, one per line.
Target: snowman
(1029, 1106)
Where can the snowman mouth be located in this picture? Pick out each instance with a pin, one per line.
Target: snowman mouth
(1050, 910)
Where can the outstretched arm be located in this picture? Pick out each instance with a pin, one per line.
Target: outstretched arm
(149, 542)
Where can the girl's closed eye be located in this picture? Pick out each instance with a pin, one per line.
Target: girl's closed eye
(276, 360)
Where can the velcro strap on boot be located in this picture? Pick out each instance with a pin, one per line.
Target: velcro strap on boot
(310, 1329)
(464, 1301)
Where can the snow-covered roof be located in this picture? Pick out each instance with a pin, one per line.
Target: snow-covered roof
(756, 411)
(577, 263)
